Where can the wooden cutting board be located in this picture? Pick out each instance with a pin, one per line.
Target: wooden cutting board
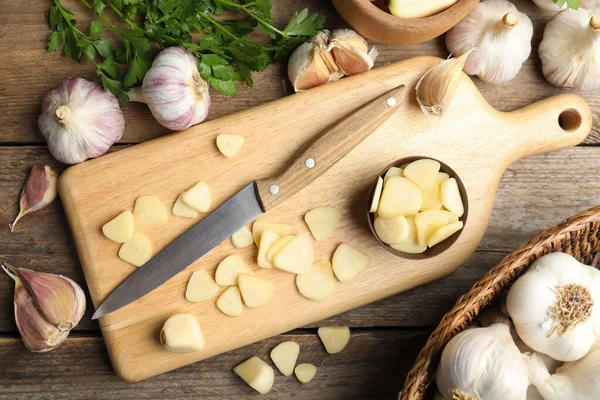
(475, 140)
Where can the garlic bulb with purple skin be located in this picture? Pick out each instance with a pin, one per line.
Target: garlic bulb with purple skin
(80, 120)
(174, 90)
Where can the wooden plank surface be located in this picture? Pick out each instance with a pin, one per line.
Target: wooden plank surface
(23, 34)
(534, 194)
(370, 367)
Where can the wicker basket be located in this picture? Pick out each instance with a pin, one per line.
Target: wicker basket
(578, 236)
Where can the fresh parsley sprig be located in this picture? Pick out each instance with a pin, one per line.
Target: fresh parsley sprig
(225, 52)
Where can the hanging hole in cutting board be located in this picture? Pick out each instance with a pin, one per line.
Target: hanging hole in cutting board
(570, 120)
(438, 248)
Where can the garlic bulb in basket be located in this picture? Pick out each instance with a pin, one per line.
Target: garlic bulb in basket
(482, 363)
(502, 38)
(554, 306)
(577, 380)
(174, 90)
(570, 49)
(80, 120)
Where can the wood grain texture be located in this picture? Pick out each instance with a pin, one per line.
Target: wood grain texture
(329, 147)
(478, 148)
(27, 64)
(382, 27)
(369, 368)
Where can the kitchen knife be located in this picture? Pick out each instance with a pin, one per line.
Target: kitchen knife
(255, 199)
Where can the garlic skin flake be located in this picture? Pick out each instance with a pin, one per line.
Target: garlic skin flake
(570, 50)
(174, 90)
(47, 307)
(482, 363)
(577, 380)
(80, 120)
(38, 192)
(554, 306)
(501, 35)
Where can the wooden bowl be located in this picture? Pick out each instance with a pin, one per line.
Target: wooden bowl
(578, 236)
(382, 27)
(438, 248)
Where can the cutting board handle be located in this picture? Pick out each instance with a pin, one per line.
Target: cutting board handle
(329, 147)
(561, 121)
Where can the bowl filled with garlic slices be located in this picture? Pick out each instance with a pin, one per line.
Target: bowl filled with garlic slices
(417, 207)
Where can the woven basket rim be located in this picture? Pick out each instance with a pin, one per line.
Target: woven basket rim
(486, 289)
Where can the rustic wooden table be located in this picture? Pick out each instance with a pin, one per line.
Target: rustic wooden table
(534, 194)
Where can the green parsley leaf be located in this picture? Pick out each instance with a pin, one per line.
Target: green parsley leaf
(103, 47)
(303, 24)
(56, 40)
(98, 7)
(96, 28)
(137, 69)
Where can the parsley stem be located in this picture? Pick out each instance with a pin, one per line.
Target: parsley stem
(253, 15)
(66, 18)
(120, 14)
(107, 22)
(216, 24)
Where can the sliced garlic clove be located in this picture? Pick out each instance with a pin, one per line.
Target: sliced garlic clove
(334, 338)
(198, 197)
(242, 238)
(284, 356)
(148, 210)
(38, 192)
(318, 282)
(229, 145)
(351, 52)
(260, 226)
(255, 291)
(181, 209)
(305, 372)
(257, 374)
(229, 270)
(120, 229)
(296, 257)
(200, 287)
(230, 302)
(136, 251)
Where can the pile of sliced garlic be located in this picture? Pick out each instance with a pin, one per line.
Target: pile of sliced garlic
(545, 347)
(416, 206)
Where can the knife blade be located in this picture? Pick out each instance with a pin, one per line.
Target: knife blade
(253, 200)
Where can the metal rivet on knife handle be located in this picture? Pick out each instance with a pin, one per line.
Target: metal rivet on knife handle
(274, 189)
(330, 146)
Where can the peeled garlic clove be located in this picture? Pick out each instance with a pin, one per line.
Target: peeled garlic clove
(57, 298)
(181, 333)
(38, 192)
(80, 120)
(351, 51)
(570, 50)
(174, 90)
(312, 63)
(501, 35)
(436, 89)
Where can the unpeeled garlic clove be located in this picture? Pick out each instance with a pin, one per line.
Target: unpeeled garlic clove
(38, 192)
(60, 300)
(312, 63)
(38, 335)
(436, 89)
(351, 51)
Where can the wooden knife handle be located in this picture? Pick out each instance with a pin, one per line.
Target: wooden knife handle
(329, 147)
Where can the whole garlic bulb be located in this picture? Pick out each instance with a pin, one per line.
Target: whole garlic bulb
(570, 49)
(554, 306)
(482, 363)
(577, 380)
(80, 120)
(550, 5)
(501, 35)
(174, 90)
